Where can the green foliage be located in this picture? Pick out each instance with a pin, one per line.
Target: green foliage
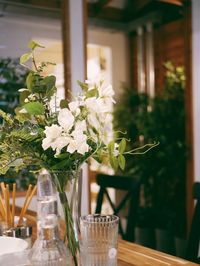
(163, 171)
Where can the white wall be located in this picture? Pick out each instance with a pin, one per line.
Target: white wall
(196, 85)
(118, 43)
(16, 31)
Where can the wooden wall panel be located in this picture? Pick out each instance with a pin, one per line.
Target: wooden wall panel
(168, 46)
(133, 62)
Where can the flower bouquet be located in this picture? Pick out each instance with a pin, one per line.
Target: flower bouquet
(60, 136)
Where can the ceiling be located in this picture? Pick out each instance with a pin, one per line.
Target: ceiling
(121, 15)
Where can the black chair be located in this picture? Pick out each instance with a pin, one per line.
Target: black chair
(125, 183)
(194, 235)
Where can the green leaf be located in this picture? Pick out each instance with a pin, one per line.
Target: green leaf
(122, 146)
(32, 45)
(21, 116)
(29, 81)
(23, 95)
(121, 161)
(83, 86)
(24, 58)
(60, 165)
(63, 104)
(114, 162)
(91, 93)
(50, 81)
(111, 146)
(34, 108)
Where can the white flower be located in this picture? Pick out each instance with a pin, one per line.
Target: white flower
(78, 143)
(60, 143)
(104, 105)
(52, 133)
(81, 141)
(72, 147)
(92, 104)
(74, 107)
(81, 126)
(106, 91)
(65, 119)
(93, 121)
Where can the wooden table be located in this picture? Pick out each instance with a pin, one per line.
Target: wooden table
(130, 254)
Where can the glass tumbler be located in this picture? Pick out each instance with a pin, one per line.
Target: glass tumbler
(98, 240)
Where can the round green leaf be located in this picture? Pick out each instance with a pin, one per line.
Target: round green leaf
(34, 108)
(24, 58)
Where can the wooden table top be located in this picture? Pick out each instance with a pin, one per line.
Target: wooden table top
(131, 254)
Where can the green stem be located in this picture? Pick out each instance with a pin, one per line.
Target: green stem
(137, 150)
(69, 223)
(69, 233)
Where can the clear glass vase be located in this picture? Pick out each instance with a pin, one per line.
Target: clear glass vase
(66, 186)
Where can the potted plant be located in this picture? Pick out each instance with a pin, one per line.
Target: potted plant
(163, 172)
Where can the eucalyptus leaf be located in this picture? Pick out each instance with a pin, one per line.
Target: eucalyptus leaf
(23, 95)
(29, 81)
(50, 81)
(63, 104)
(21, 116)
(25, 57)
(34, 108)
(32, 45)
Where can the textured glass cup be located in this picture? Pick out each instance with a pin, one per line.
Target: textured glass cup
(98, 240)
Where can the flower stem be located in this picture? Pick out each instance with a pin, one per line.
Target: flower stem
(69, 233)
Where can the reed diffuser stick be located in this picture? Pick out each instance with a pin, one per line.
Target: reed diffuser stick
(30, 198)
(25, 202)
(2, 209)
(6, 199)
(13, 203)
(3, 189)
(8, 204)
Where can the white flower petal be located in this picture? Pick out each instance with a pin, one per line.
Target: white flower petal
(54, 131)
(83, 148)
(72, 147)
(46, 143)
(65, 119)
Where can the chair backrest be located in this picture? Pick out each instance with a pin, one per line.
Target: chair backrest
(194, 235)
(129, 184)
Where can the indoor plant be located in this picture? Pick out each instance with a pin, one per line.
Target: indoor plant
(163, 172)
(60, 137)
